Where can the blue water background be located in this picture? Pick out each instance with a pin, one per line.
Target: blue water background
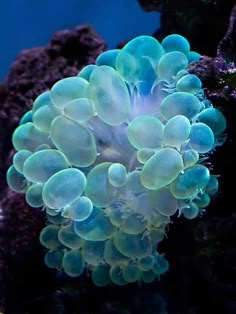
(30, 23)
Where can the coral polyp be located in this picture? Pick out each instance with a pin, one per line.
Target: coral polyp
(113, 153)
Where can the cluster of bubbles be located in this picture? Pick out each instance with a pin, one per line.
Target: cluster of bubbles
(113, 153)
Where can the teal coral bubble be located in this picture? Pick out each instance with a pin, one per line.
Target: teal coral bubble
(113, 154)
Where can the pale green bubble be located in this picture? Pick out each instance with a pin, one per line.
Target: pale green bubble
(63, 188)
(161, 169)
(42, 100)
(81, 109)
(113, 256)
(69, 238)
(86, 72)
(41, 165)
(170, 64)
(214, 119)
(74, 140)
(116, 276)
(201, 138)
(101, 276)
(79, 210)
(190, 182)
(164, 201)
(160, 265)
(145, 132)
(146, 263)
(27, 117)
(97, 227)
(176, 131)
(175, 42)
(191, 211)
(202, 200)
(110, 95)
(93, 252)
(138, 59)
(19, 159)
(33, 195)
(73, 263)
(131, 273)
(134, 224)
(180, 103)
(133, 246)
(117, 174)
(68, 89)
(28, 137)
(43, 117)
(190, 157)
(144, 154)
(108, 58)
(53, 258)
(49, 237)
(15, 180)
(98, 189)
(190, 83)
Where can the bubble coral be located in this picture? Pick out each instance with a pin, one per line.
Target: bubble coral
(113, 153)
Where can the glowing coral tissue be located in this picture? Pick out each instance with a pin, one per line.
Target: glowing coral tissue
(113, 153)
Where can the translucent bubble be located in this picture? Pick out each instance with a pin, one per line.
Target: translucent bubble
(100, 276)
(73, 263)
(116, 276)
(131, 273)
(68, 89)
(144, 154)
(108, 58)
(191, 211)
(79, 210)
(98, 189)
(201, 138)
(112, 256)
(81, 109)
(53, 258)
(41, 165)
(42, 100)
(33, 195)
(49, 237)
(43, 117)
(110, 95)
(27, 117)
(214, 119)
(193, 56)
(138, 59)
(202, 200)
(134, 224)
(175, 42)
(161, 169)
(148, 276)
(145, 132)
(146, 263)
(177, 131)
(19, 159)
(117, 174)
(190, 182)
(77, 143)
(28, 137)
(180, 103)
(160, 265)
(170, 64)
(86, 72)
(69, 238)
(164, 201)
(63, 188)
(133, 246)
(190, 157)
(93, 252)
(189, 83)
(97, 227)
(15, 180)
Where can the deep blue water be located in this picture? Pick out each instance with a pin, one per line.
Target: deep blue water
(30, 23)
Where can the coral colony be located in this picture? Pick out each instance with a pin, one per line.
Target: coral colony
(113, 153)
